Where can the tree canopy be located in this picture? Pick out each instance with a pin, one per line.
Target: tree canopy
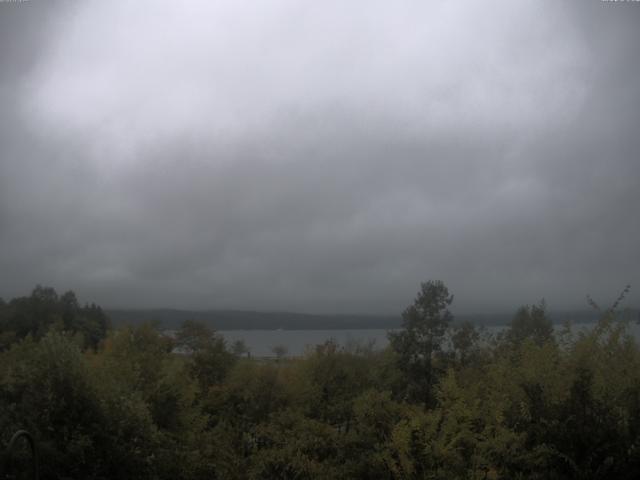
(440, 402)
(424, 325)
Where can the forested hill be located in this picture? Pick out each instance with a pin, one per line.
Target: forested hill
(253, 320)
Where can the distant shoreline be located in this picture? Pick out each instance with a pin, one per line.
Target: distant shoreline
(252, 320)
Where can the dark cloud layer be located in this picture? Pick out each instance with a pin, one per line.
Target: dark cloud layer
(320, 156)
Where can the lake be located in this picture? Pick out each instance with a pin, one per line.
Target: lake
(296, 342)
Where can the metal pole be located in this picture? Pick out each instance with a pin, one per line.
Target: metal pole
(34, 451)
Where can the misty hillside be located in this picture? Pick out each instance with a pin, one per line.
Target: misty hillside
(253, 320)
(248, 320)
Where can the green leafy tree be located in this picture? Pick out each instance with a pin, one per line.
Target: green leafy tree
(239, 348)
(149, 397)
(46, 388)
(293, 446)
(208, 358)
(531, 322)
(464, 341)
(45, 310)
(332, 379)
(421, 337)
(370, 444)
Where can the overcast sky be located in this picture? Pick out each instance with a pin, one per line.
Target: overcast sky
(320, 156)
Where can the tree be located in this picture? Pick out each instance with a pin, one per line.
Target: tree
(464, 340)
(531, 322)
(209, 359)
(46, 388)
(280, 351)
(194, 336)
(423, 329)
(239, 348)
(45, 310)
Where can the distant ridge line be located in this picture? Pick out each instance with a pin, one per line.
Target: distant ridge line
(171, 318)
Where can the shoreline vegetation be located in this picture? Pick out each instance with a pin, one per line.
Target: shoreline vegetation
(440, 402)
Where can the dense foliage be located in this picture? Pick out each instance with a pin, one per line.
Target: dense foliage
(443, 401)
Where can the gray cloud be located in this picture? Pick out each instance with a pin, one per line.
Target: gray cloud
(319, 156)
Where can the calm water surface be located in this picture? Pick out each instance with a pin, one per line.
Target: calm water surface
(296, 342)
